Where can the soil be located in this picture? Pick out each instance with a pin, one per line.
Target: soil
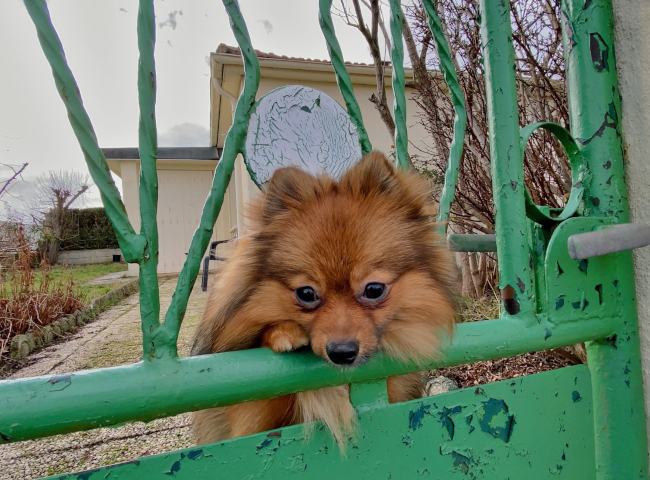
(480, 373)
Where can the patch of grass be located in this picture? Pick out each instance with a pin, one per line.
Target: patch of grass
(85, 273)
(471, 310)
(57, 469)
(80, 274)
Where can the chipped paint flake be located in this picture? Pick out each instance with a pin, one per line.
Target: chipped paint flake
(494, 419)
(416, 416)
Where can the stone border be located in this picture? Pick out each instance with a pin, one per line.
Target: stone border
(24, 344)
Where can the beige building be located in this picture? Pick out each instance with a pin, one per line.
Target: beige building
(185, 174)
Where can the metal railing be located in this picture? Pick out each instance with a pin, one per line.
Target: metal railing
(164, 384)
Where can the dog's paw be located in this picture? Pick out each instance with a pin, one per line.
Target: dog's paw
(284, 337)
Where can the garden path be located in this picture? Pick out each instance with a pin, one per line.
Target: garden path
(113, 339)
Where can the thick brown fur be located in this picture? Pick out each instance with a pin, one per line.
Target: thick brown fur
(374, 225)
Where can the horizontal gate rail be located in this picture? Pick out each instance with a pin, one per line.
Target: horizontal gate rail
(468, 242)
(50, 405)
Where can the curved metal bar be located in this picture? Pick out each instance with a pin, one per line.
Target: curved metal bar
(131, 244)
(148, 148)
(579, 172)
(234, 145)
(460, 119)
(342, 75)
(399, 105)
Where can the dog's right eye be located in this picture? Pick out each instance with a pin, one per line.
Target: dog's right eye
(307, 296)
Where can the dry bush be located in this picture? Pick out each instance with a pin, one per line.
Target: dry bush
(540, 79)
(28, 303)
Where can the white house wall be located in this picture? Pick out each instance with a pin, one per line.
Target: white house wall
(183, 186)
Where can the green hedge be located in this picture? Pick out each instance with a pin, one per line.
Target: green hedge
(89, 229)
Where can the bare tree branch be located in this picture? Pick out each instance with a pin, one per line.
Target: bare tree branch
(370, 34)
(13, 178)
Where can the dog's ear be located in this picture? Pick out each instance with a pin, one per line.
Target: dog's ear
(288, 188)
(376, 176)
(373, 174)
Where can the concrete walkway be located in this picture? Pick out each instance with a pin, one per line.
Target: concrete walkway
(114, 338)
(110, 278)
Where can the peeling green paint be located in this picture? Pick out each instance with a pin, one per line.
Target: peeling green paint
(505, 154)
(460, 115)
(387, 447)
(399, 89)
(416, 417)
(494, 418)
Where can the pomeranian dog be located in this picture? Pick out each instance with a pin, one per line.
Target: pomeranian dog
(349, 268)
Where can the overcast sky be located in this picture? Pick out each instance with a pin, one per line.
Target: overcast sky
(99, 39)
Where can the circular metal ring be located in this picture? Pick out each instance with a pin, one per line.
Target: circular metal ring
(579, 173)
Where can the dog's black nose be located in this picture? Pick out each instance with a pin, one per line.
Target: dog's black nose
(343, 353)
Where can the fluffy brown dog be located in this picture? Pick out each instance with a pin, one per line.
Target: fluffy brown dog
(349, 268)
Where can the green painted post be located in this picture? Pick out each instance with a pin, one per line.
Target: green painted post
(460, 115)
(399, 104)
(515, 282)
(595, 111)
(342, 76)
(148, 143)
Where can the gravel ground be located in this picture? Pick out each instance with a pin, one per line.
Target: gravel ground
(114, 338)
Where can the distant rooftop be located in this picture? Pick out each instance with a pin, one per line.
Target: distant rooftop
(229, 50)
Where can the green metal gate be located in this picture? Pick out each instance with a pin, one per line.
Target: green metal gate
(578, 422)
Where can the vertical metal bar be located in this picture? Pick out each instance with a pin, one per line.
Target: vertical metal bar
(595, 109)
(234, 145)
(342, 75)
(460, 118)
(507, 169)
(149, 291)
(399, 103)
(131, 244)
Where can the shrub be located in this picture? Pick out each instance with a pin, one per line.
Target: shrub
(27, 304)
(89, 229)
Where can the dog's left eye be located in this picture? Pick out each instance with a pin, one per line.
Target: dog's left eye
(307, 296)
(374, 291)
